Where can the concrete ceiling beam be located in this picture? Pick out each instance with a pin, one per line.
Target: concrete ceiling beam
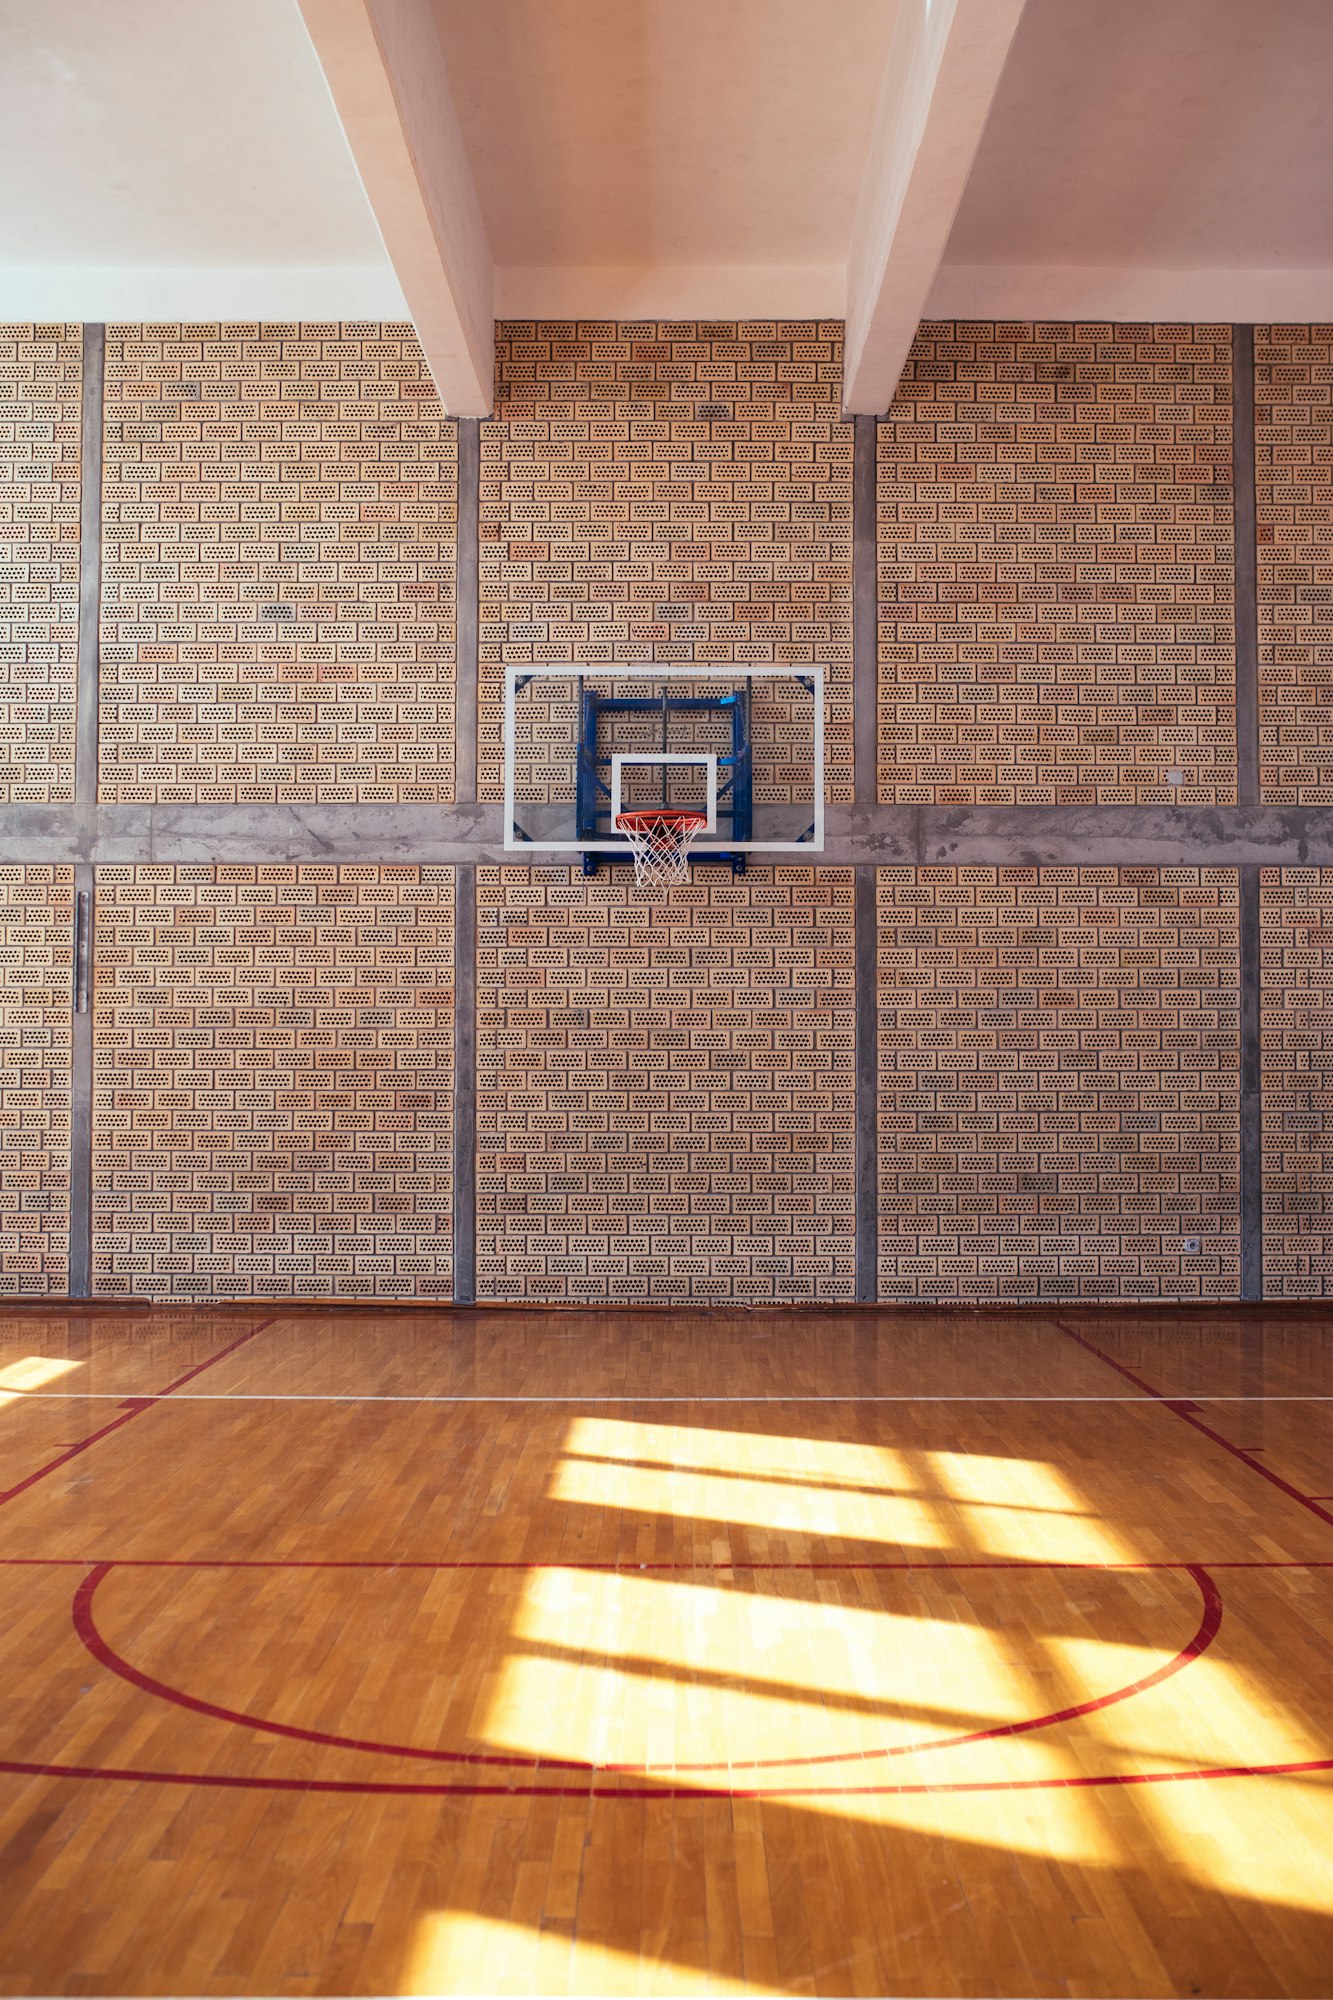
(944, 65)
(386, 72)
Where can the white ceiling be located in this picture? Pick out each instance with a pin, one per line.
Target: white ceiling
(165, 157)
(1153, 154)
(183, 158)
(682, 137)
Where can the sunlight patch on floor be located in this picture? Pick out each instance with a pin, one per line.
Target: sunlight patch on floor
(1053, 1825)
(1264, 1839)
(1211, 1715)
(637, 1668)
(35, 1371)
(763, 1454)
(1024, 1508)
(456, 1952)
(794, 1507)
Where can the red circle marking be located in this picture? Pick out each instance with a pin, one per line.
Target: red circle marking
(380, 1788)
(101, 1650)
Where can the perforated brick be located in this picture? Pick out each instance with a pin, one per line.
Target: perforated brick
(1293, 441)
(1296, 1014)
(273, 1107)
(1059, 1054)
(279, 571)
(666, 492)
(41, 404)
(1056, 567)
(665, 1097)
(36, 974)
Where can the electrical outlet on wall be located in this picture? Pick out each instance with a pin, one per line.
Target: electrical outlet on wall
(1191, 1246)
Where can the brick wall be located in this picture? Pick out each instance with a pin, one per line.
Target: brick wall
(1058, 1049)
(36, 974)
(280, 528)
(1056, 574)
(274, 1081)
(665, 1089)
(1296, 933)
(669, 493)
(1293, 436)
(1059, 1055)
(41, 387)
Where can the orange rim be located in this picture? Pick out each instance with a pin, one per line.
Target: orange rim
(644, 822)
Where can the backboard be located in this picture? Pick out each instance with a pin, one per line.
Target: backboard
(743, 745)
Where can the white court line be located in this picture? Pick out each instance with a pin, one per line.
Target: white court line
(612, 1396)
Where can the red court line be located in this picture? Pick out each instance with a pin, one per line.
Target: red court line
(238, 1781)
(1176, 1405)
(86, 1627)
(627, 1566)
(200, 1367)
(135, 1407)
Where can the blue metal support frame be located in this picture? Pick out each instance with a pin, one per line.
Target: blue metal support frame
(735, 772)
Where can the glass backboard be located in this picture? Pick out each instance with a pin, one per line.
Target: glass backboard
(744, 745)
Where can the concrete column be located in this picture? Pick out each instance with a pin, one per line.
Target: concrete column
(81, 1093)
(465, 1085)
(1247, 794)
(865, 707)
(465, 894)
(1247, 585)
(867, 1091)
(84, 817)
(865, 664)
(1251, 1094)
(468, 608)
(90, 568)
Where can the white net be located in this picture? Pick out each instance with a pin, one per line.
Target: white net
(661, 842)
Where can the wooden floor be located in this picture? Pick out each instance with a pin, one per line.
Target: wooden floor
(462, 1652)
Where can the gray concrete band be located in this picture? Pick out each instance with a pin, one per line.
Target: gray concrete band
(911, 836)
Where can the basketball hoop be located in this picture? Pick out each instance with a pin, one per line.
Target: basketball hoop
(661, 839)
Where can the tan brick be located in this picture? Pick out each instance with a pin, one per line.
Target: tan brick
(273, 1110)
(670, 493)
(280, 517)
(1296, 1014)
(1056, 567)
(1059, 1067)
(665, 1096)
(36, 973)
(1293, 437)
(41, 403)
